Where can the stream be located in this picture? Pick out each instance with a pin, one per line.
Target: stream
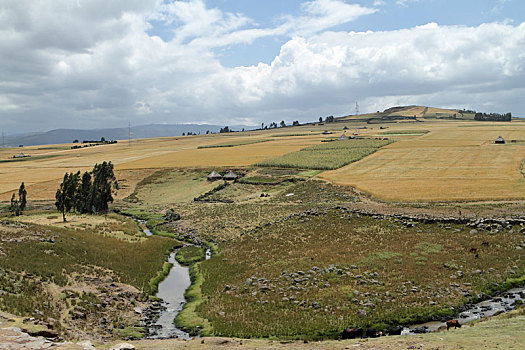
(487, 308)
(172, 289)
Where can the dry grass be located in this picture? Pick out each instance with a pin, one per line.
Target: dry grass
(449, 163)
(454, 161)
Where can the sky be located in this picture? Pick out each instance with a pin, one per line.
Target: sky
(98, 63)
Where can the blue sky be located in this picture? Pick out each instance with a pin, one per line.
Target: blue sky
(99, 63)
(391, 15)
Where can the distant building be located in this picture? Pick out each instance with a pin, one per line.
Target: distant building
(214, 176)
(21, 155)
(326, 132)
(499, 140)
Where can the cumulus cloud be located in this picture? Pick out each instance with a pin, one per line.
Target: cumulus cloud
(93, 64)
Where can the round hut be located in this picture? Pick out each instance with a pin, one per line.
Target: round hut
(230, 176)
(214, 176)
(499, 140)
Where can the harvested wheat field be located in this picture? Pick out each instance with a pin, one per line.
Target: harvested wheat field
(43, 171)
(453, 162)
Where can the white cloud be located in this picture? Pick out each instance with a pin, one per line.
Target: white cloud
(405, 3)
(92, 69)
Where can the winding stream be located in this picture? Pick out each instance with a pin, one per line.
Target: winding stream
(172, 289)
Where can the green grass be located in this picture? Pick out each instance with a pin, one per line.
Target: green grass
(309, 173)
(327, 156)
(190, 254)
(135, 263)
(240, 143)
(26, 159)
(405, 133)
(298, 134)
(307, 277)
(260, 180)
(188, 319)
(132, 332)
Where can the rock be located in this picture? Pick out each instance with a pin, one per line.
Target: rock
(122, 346)
(86, 345)
(473, 231)
(46, 333)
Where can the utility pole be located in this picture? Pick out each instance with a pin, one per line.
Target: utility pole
(356, 108)
(129, 133)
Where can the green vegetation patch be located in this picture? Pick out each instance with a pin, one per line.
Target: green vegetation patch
(26, 159)
(313, 275)
(131, 332)
(327, 156)
(405, 133)
(240, 143)
(260, 180)
(55, 253)
(190, 254)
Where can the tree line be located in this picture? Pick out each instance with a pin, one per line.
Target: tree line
(496, 117)
(89, 193)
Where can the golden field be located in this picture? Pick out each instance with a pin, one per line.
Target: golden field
(454, 161)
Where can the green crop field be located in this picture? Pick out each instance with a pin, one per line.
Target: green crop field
(327, 156)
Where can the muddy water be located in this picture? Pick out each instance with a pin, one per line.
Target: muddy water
(491, 307)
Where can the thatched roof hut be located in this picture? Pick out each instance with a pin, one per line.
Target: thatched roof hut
(214, 176)
(499, 140)
(343, 137)
(230, 176)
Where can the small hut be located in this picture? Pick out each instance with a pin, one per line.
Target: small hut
(230, 176)
(326, 132)
(343, 137)
(214, 176)
(345, 128)
(499, 140)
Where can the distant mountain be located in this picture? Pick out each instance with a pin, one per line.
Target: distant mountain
(137, 132)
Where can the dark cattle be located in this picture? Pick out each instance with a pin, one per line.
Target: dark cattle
(453, 323)
(486, 244)
(395, 330)
(373, 333)
(473, 250)
(352, 333)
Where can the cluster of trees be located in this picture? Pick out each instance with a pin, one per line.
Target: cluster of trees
(89, 193)
(496, 117)
(329, 119)
(225, 129)
(17, 206)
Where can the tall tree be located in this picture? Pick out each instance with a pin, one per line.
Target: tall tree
(103, 182)
(65, 197)
(13, 207)
(22, 198)
(84, 200)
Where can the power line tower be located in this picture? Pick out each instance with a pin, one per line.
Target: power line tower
(356, 108)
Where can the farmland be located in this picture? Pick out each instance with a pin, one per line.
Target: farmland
(317, 235)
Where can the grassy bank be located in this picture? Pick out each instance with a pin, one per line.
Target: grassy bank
(315, 275)
(189, 255)
(188, 319)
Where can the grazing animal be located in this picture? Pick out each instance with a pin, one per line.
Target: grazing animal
(395, 330)
(473, 250)
(352, 333)
(453, 323)
(486, 244)
(373, 333)
(476, 256)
